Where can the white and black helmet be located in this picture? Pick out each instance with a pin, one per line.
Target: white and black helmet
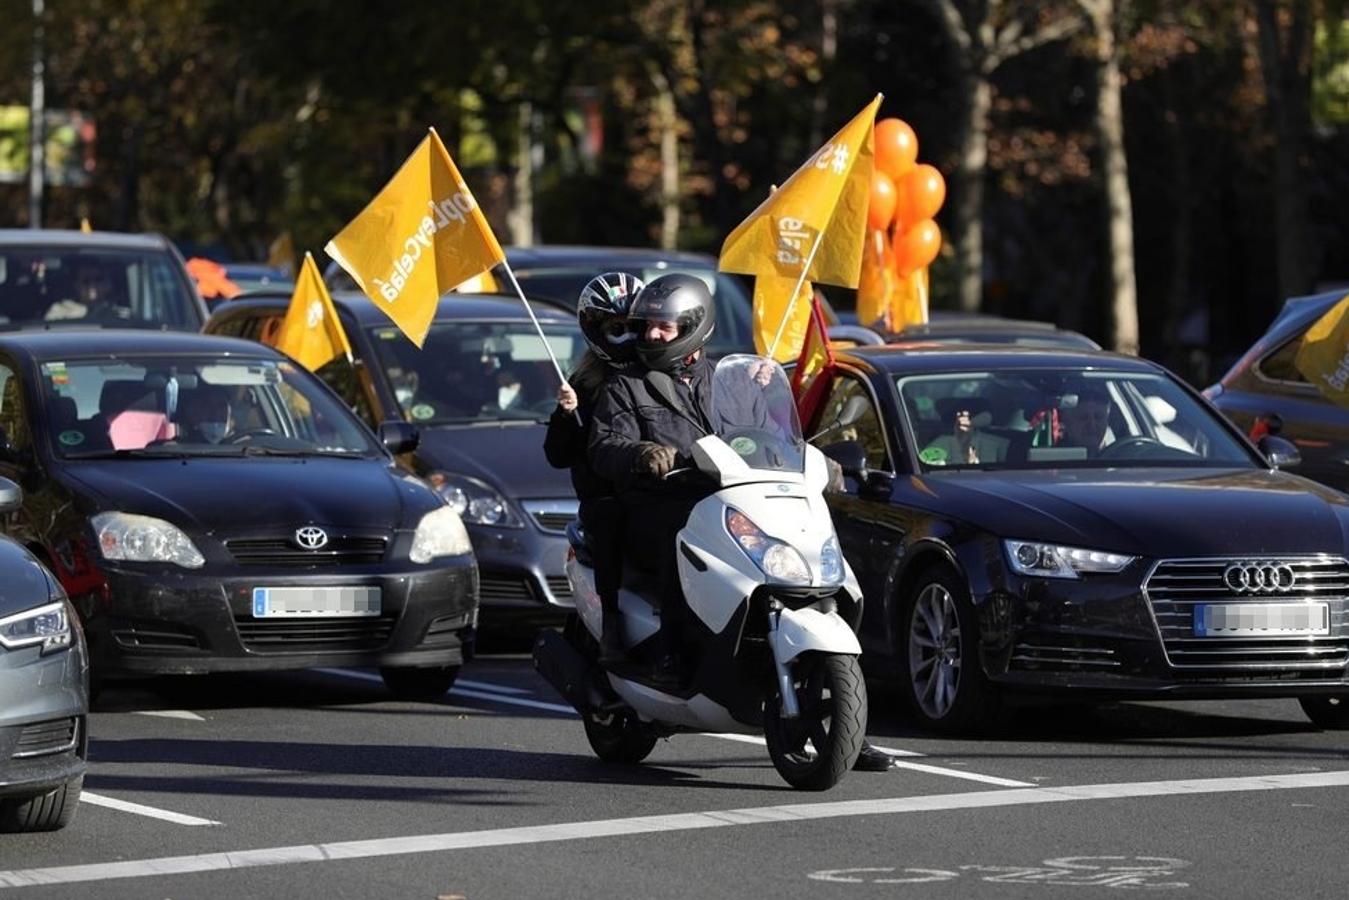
(684, 300)
(602, 310)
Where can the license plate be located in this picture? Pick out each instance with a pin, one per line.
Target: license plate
(299, 602)
(1261, 619)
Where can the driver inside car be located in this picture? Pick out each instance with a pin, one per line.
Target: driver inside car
(206, 416)
(1086, 423)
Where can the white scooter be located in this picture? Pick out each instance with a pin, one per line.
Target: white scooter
(767, 647)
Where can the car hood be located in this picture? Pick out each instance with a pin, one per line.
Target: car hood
(1152, 512)
(508, 457)
(212, 494)
(24, 585)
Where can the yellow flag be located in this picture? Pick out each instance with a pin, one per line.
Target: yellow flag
(1323, 358)
(281, 253)
(908, 303)
(311, 333)
(819, 215)
(878, 282)
(422, 235)
(771, 295)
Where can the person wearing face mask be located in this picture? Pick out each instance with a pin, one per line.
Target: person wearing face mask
(207, 418)
(602, 311)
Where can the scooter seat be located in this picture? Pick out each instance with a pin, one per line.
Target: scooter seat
(580, 543)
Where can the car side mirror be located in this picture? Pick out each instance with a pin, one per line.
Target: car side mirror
(850, 456)
(1281, 453)
(11, 496)
(399, 437)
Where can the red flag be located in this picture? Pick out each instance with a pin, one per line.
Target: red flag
(810, 380)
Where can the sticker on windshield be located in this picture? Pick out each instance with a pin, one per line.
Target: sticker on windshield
(933, 456)
(71, 438)
(56, 371)
(743, 445)
(422, 411)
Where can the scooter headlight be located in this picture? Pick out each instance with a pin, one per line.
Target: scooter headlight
(779, 561)
(831, 562)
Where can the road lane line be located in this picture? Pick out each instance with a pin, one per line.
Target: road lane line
(744, 738)
(588, 830)
(142, 810)
(169, 714)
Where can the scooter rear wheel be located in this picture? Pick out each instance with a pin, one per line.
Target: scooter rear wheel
(619, 738)
(833, 702)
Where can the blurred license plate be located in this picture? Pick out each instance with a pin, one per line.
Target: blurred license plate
(282, 602)
(1261, 619)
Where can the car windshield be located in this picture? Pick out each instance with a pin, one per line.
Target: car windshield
(53, 287)
(1040, 419)
(194, 406)
(731, 334)
(754, 413)
(477, 371)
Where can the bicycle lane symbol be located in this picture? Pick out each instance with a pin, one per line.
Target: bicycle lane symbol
(1136, 872)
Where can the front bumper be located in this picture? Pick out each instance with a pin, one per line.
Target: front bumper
(153, 619)
(43, 739)
(1107, 636)
(522, 572)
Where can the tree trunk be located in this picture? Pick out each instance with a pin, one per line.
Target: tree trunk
(669, 163)
(521, 216)
(1123, 290)
(969, 206)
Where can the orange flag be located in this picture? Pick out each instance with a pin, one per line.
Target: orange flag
(311, 333)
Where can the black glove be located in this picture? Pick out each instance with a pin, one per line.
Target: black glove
(654, 459)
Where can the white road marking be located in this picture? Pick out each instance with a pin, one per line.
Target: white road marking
(170, 714)
(727, 736)
(142, 810)
(572, 831)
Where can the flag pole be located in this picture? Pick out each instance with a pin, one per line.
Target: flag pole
(801, 279)
(561, 378)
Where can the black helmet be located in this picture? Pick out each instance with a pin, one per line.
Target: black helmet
(602, 310)
(682, 299)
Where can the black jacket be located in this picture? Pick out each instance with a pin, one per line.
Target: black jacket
(565, 443)
(637, 406)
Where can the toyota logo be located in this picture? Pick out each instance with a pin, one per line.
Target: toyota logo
(311, 537)
(1259, 577)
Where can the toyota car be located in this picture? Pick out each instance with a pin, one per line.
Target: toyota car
(210, 506)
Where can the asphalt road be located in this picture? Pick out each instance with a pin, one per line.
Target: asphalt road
(317, 784)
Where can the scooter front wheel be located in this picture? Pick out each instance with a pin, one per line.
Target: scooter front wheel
(619, 738)
(813, 751)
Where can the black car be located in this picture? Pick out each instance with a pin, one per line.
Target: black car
(210, 506)
(478, 392)
(54, 278)
(954, 329)
(1037, 520)
(44, 680)
(1264, 393)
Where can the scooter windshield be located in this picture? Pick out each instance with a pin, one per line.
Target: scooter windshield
(754, 412)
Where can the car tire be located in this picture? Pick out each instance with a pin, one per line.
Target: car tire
(619, 738)
(943, 680)
(834, 724)
(424, 684)
(1330, 712)
(45, 812)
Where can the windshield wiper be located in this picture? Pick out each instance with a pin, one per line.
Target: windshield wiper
(133, 453)
(254, 450)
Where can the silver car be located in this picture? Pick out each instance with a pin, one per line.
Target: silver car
(44, 691)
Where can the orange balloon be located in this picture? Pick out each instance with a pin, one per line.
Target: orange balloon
(881, 208)
(896, 147)
(921, 194)
(916, 247)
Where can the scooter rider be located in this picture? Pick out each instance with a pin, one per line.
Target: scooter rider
(602, 311)
(646, 417)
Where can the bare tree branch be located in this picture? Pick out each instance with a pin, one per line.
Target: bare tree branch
(1057, 30)
(956, 27)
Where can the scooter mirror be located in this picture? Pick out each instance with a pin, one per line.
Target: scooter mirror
(850, 456)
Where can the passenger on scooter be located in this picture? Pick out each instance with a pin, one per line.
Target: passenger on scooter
(602, 310)
(647, 417)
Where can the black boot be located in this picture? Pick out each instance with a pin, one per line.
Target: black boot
(611, 640)
(873, 760)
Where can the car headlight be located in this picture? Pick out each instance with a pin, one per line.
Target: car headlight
(475, 502)
(831, 563)
(47, 625)
(1056, 561)
(779, 561)
(440, 533)
(144, 539)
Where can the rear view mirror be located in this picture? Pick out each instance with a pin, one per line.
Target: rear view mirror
(11, 496)
(399, 437)
(1282, 454)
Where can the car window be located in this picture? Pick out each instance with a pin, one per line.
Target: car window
(476, 371)
(194, 405)
(14, 421)
(1050, 418)
(1281, 365)
(113, 288)
(849, 414)
(340, 375)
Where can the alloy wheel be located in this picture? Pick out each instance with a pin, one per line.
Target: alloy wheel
(934, 651)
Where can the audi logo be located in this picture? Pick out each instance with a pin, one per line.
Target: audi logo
(1259, 577)
(311, 537)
